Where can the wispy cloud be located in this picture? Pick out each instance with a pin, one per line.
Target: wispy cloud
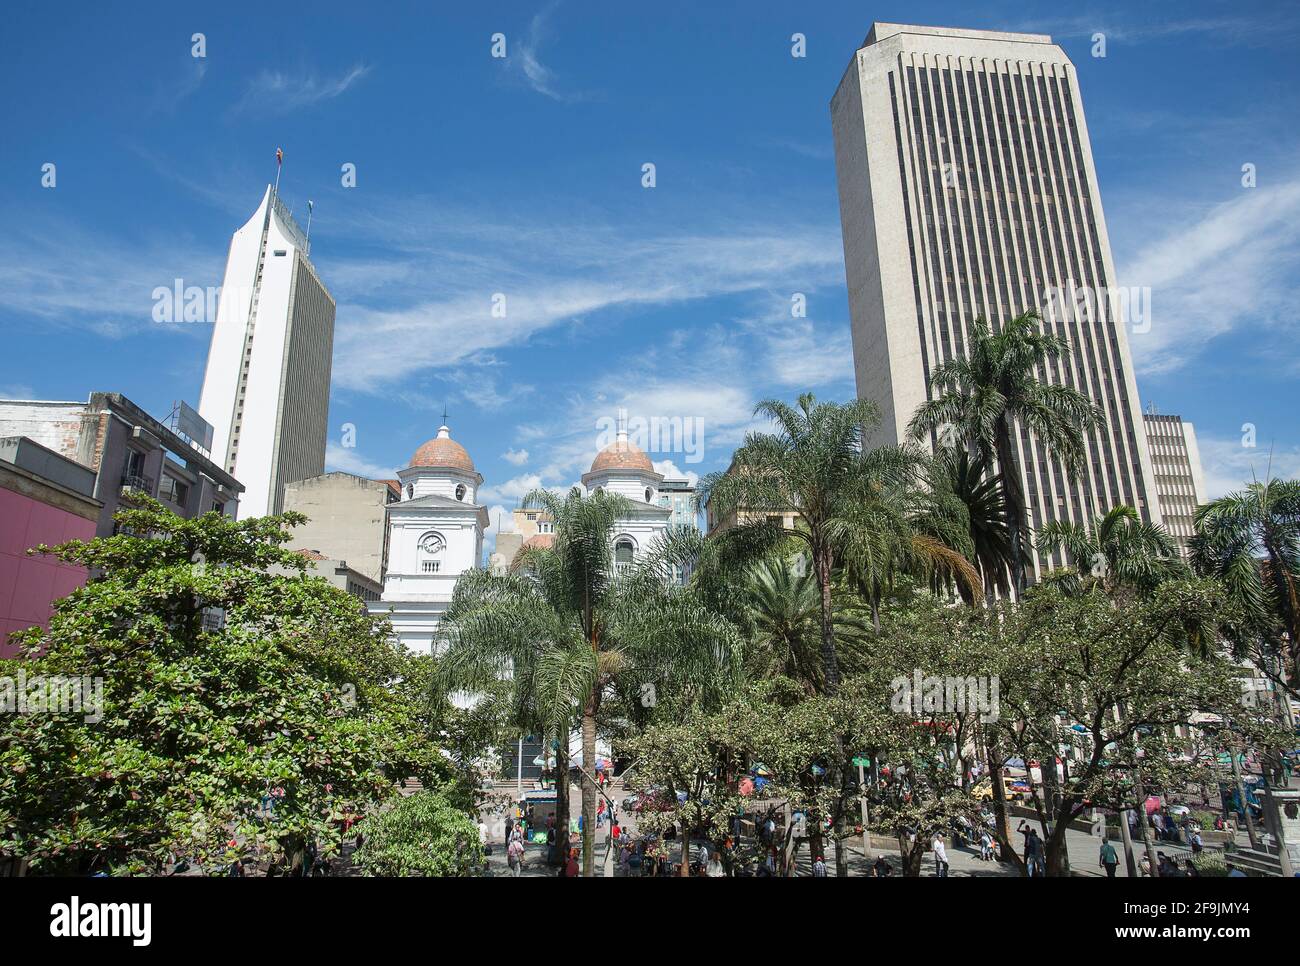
(526, 59)
(1283, 27)
(280, 91)
(1229, 465)
(515, 457)
(70, 277)
(528, 278)
(1220, 269)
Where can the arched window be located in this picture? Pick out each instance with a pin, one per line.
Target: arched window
(460, 491)
(432, 550)
(410, 490)
(649, 494)
(624, 551)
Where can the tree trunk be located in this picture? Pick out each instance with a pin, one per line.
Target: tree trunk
(1246, 815)
(1014, 501)
(830, 664)
(561, 854)
(1003, 831)
(1130, 864)
(589, 790)
(1152, 858)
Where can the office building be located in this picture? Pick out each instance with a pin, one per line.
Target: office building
(1179, 480)
(968, 190)
(267, 384)
(126, 449)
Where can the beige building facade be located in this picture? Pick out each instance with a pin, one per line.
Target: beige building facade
(968, 190)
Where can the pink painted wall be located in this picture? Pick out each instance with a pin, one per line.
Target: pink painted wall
(30, 585)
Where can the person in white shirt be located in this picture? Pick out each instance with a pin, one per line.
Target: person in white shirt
(715, 869)
(940, 856)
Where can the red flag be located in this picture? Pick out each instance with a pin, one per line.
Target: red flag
(279, 156)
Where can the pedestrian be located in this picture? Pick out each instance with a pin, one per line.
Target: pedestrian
(515, 856)
(715, 868)
(571, 867)
(819, 868)
(881, 869)
(1197, 843)
(940, 856)
(1109, 858)
(986, 846)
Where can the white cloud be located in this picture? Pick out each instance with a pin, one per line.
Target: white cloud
(348, 460)
(554, 274)
(669, 471)
(1237, 264)
(1230, 466)
(526, 57)
(280, 92)
(515, 457)
(512, 491)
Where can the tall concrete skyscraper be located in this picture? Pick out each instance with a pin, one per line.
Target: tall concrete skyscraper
(967, 190)
(267, 386)
(1179, 479)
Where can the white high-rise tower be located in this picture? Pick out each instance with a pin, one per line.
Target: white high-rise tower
(967, 190)
(267, 386)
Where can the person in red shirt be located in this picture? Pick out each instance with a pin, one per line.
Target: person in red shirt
(571, 869)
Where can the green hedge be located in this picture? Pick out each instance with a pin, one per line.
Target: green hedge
(422, 835)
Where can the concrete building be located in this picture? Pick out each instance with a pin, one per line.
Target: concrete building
(347, 519)
(526, 525)
(1179, 479)
(967, 190)
(45, 498)
(679, 497)
(435, 534)
(269, 360)
(127, 449)
(341, 575)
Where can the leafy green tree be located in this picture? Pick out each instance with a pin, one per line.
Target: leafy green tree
(1250, 540)
(1112, 680)
(979, 399)
(238, 705)
(420, 835)
(570, 630)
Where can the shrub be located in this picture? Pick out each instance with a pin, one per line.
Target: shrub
(422, 835)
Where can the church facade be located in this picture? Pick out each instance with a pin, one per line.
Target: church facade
(435, 531)
(435, 534)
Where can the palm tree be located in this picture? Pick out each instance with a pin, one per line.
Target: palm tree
(782, 614)
(1118, 550)
(979, 399)
(1250, 540)
(813, 464)
(980, 492)
(902, 524)
(570, 630)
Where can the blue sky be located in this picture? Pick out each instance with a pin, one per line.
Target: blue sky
(523, 176)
